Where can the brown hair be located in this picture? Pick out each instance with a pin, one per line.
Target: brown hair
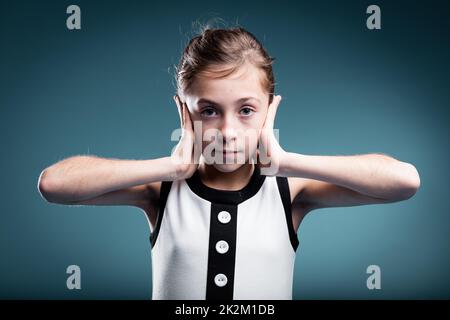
(218, 52)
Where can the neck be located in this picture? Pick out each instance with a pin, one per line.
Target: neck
(231, 181)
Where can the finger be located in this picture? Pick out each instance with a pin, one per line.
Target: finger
(179, 108)
(272, 111)
(187, 118)
(258, 159)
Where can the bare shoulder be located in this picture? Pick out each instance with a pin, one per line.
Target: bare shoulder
(296, 186)
(150, 206)
(298, 205)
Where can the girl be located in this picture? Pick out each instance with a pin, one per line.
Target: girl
(224, 211)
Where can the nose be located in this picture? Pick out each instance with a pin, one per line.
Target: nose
(228, 130)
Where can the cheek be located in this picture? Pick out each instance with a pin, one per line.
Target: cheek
(258, 122)
(204, 137)
(196, 116)
(253, 133)
(208, 135)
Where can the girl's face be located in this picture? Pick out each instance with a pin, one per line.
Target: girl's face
(231, 111)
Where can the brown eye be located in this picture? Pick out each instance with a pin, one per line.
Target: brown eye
(246, 111)
(208, 112)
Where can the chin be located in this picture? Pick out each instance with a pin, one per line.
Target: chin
(230, 164)
(227, 168)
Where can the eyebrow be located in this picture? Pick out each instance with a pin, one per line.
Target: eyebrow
(203, 100)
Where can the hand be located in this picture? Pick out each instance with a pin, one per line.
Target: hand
(184, 156)
(270, 155)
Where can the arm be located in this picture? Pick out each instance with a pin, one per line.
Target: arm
(328, 181)
(101, 181)
(94, 180)
(336, 181)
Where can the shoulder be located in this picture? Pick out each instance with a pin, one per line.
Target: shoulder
(296, 186)
(157, 193)
(158, 190)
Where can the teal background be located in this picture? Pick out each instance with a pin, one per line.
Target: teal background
(107, 90)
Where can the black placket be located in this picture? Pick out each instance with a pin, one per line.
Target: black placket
(223, 200)
(221, 263)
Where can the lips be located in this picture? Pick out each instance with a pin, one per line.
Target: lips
(227, 151)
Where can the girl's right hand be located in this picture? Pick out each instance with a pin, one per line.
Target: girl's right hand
(183, 155)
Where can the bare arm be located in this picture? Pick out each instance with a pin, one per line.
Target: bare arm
(107, 181)
(81, 178)
(337, 181)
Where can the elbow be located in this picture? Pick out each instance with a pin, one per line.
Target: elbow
(47, 186)
(411, 182)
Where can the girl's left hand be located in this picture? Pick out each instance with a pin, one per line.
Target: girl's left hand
(270, 155)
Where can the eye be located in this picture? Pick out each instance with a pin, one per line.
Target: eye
(208, 112)
(246, 111)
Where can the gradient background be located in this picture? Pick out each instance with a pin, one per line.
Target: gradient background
(107, 90)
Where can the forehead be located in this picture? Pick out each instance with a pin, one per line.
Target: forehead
(243, 82)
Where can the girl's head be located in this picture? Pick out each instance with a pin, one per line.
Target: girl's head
(225, 78)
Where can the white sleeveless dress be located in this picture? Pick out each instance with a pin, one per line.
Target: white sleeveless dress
(211, 244)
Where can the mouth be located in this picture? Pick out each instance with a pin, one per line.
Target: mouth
(229, 156)
(227, 151)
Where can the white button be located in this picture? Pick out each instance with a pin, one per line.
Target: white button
(222, 246)
(220, 280)
(224, 216)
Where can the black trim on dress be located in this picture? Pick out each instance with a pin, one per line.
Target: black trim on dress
(163, 195)
(233, 197)
(283, 187)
